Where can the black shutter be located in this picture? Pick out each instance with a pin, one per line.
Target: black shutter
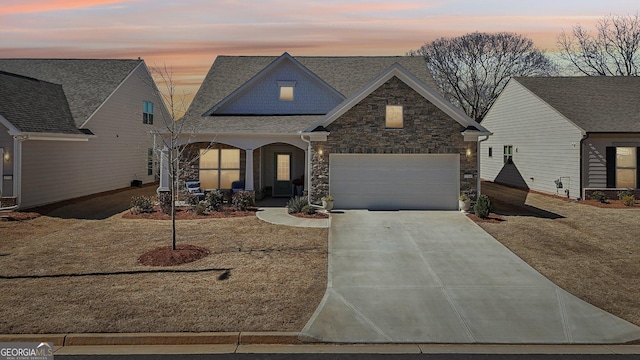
(611, 167)
(638, 167)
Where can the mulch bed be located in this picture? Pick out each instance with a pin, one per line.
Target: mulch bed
(164, 256)
(610, 204)
(317, 215)
(186, 213)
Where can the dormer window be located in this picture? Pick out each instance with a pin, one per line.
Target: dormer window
(286, 90)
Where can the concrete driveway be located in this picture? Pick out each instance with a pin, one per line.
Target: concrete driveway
(437, 277)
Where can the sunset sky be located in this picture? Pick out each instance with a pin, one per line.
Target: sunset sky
(187, 35)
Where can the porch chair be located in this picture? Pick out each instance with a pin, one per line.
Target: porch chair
(237, 186)
(193, 188)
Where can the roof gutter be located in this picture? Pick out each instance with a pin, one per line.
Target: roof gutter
(53, 136)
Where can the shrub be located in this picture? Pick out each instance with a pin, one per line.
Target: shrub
(308, 210)
(296, 204)
(214, 200)
(192, 200)
(142, 204)
(626, 193)
(201, 208)
(629, 200)
(165, 199)
(482, 207)
(327, 198)
(242, 200)
(599, 196)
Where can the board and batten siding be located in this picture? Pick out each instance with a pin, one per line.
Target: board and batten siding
(58, 170)
(546, 147)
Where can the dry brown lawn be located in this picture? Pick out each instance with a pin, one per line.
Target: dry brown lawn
(62, 275)
(592, 252)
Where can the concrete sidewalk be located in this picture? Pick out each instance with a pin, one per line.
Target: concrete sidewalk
(279, 216)
(437, 277)
(275, 342)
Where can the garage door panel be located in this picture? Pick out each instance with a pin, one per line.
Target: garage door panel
(395, 181)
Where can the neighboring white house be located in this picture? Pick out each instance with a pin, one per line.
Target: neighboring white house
(565, 135)
(101, 142)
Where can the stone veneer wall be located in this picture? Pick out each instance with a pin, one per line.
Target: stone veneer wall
(361, 130)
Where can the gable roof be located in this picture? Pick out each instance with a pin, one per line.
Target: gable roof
(34, 106)
(396, 70)
(261, 74)
(346, 75)
(593, 103)
(87, 83)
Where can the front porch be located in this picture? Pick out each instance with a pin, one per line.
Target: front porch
(270, 171)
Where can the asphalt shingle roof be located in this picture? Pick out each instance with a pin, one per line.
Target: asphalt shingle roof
(33, 105)
(347, 75)
(87, 83)
(595, 104)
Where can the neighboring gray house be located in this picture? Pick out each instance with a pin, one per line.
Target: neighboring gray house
(370, 131)
(71, 127)
(580, 132)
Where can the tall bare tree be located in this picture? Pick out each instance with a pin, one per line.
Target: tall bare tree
(472, 70)
(611, 51)
(173, 134)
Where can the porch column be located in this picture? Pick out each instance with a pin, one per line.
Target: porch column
(248, 174)
(164, 170)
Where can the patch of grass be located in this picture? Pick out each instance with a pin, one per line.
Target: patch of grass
(277, 277)
(589, 251)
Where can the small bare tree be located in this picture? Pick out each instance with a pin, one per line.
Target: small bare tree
(174, 134)
(611, 51)
(472, 70)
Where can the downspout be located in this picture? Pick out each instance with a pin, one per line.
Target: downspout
(478, 156)
(308, 166)
(17, 168)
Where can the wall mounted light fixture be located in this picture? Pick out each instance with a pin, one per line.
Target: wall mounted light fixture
(6, 156)
(320, 152)
(468, 152)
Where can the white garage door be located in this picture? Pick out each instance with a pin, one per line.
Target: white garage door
(395, 181)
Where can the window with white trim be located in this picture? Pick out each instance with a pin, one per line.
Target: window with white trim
(394, 118)
(219, 168)
(626, 170)
(287, 90)
(147, 112)
(508, 154)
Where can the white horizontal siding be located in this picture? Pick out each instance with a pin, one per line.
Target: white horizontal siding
(546, 146)
(54, 171)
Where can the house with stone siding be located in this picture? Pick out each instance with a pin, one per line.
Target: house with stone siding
(370, 131)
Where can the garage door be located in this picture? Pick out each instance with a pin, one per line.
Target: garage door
(395, 181)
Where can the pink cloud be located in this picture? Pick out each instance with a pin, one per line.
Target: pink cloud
(31, 6)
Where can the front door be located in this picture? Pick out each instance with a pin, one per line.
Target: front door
(282, 182)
